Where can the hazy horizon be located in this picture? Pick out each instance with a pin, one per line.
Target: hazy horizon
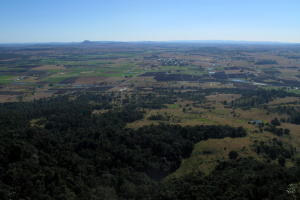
(170, 41)
(36, 21)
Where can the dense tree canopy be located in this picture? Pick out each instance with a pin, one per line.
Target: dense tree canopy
(58, 148)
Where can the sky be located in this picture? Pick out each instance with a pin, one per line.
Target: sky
(27, 21)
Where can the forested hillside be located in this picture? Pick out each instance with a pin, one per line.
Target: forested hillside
(60, 148)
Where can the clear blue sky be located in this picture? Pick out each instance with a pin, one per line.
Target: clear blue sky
(149, 20)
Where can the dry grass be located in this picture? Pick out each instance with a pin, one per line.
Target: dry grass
(284, 100)
(294, 138)
(47, 67)
(89, 80)
(7, 98)
(207, 154)
(39, 95)
(99, 112)
(221, 115)
(223, 97)
(202, 116)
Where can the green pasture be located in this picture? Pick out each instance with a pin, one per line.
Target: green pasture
(54, 70)
(172, 68)
(110, 55)
(78, 71)
(116, 74)
(173, 106)
(92, 62)
(89, 73)
(55, 79)
(75, 67)
(93, 71)
(99, 62)
(242, 121)
(183, 70)
(194, 72)
(151, 70)
(271, 88)
(7, 79)
(49, 62)
(102, 72)
(294, 91)
(124, 65)
(199, 161)
(206, 120)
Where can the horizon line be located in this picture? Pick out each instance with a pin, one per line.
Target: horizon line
(165, 41)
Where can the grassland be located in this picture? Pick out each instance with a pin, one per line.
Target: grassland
(120, 68)
(7, 79)
(207, 154)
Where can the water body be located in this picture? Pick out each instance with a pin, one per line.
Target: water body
(255, 83)
(238, 80)
(21, 83)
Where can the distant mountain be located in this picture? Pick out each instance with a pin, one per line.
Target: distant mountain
(94, 43)
(228, 42)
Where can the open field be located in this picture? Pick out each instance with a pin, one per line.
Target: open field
(135, 71)
(48, 67)
(140, 116)
(207, 154)
(6, 79)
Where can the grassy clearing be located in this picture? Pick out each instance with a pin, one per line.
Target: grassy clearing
(48, 62)
(287, 100)
(124, 66)
(218, 149)
(55, 79)
(241, 121)
(194, 73)
(116, 74)
(295, 91)
(172, 68)
(207, 154)
(7, 79)
(78, 71)
(113, 55)
(173, 106)
(223, 97)
(103, 62)
(55, 70)
(220, 115)
(206, 120)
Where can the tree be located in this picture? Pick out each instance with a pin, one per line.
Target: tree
(281, 161)
(278, 131)
(294, 190)
(233, 155)
(275, 122)
(287, 131)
